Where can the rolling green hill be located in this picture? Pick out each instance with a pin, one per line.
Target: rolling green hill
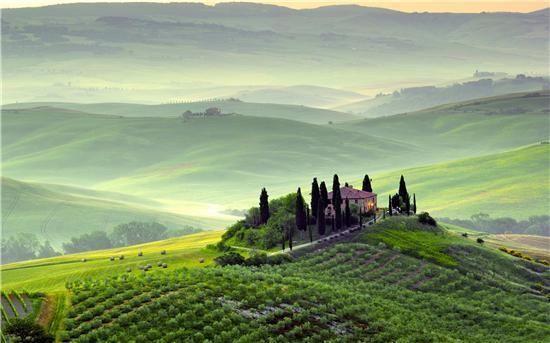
(398, 280)
(418, 98)
(467, 128)
(221, 160)
(510, 184)
(293, 112)
(51, 274)
(57, 213)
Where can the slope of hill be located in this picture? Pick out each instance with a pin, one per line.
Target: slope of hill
(373, 288)
(468, 128)
(418, 98)
(220, 160)
(510, 184)
(292, 112)
(57, 213)
(139, 52)
(321, 97)
(51, 274)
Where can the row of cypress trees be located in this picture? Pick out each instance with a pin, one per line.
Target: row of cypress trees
(401, 199)
(318, 204)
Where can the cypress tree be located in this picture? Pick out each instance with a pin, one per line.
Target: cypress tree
(408, 205)
(348, 214)
(360, 217)
(366, 184)
(323, 193)
(301, 223)
(403, 188)
(314, 197)
(390, 210)
(321, 217)
(264, 207)
(346, 184)
(337, 202)
(332, 224)
(414, 203)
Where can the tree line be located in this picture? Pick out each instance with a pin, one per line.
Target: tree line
(27, 246)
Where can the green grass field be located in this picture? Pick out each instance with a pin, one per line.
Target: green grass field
(467, 128)
(350, 291)
(510, 184)
(57, 213)
(51, 274)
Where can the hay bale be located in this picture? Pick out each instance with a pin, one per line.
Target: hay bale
(163, 252)
(164, 265)
(111, 258)
(128, 270)
(140, 253)
(83, 260)
(121, 257)
(201, 260)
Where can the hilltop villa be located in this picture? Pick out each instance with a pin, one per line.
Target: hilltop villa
(365, 200)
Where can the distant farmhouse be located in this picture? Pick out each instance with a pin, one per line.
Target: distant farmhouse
(366, 201)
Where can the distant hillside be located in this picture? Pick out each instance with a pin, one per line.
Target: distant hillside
(150, 52)
(219, 160)
(467, 128)
(293, 112)
(511, 184)
(57, 213)
(322, 97)
(418, 98)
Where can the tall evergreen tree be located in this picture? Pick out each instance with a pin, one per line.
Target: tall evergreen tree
(290, 234)
(337, 202)
(346, 184)
(264, 207)
(390, 210)
(403, 188)
(414, 203)
(301, 220)
(348, 214)
(408, 204)
(314, 197)
(360, 217)
(323, 192)
(321, 217)
(366, 184)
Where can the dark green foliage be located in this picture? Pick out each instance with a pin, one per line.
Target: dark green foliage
(137, 233)
(337, 202)
(264, 207)
(403, 188)
(396, 202)
(321, 222)
(23, 246)
(301, 220)
(425, 218)
(390, 208)
(414, 203)
(366, 184)
(90, 241)
(347, 214)
(480, 240)
(323, 192)
(26, 330)
(229, 258)
(315, 194)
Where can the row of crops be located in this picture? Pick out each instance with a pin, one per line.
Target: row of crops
(15, 304)
(349, 293)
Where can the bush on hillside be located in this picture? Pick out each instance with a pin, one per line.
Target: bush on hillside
(425, 218)
(480, 240)
(26, 330)
(229, 258)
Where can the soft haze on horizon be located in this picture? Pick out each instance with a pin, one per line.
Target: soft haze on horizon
(403, 5)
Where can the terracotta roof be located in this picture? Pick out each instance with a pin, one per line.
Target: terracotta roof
(352, 193)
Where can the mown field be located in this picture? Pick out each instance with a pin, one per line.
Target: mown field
(377, 287)
(51, 274)
(510, 184)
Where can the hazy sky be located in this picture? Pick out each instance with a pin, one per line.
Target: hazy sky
(403, 5)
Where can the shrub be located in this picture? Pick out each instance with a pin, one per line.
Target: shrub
(229, 258)
(480, 240)
(26, 330)
(425, 218)
(256, 259)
